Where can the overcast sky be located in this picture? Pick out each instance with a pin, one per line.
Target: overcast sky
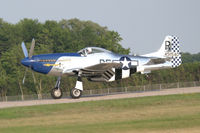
(142, 24)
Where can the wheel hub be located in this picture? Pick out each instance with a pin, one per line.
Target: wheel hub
(76, 92)
(57, 92)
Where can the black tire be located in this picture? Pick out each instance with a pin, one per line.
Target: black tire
(56, 93)
(75, 93)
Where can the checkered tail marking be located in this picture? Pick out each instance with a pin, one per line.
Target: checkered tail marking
(176, 58)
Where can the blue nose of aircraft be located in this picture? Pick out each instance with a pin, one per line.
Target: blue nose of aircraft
(26, 62)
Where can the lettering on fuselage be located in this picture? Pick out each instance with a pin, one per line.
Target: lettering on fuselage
(106, 61)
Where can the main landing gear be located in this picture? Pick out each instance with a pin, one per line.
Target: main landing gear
(75, 93)
(56, 92)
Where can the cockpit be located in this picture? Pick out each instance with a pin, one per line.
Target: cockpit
(92, 50)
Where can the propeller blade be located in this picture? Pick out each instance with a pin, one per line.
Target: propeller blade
(24, 49)
(34, 80)
(32, 48)
(23, 81)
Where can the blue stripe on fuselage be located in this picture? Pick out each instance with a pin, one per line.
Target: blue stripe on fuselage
(38, 64)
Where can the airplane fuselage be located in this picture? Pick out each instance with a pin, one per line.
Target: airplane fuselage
(65, 63)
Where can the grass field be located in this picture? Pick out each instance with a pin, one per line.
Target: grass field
(164, 114)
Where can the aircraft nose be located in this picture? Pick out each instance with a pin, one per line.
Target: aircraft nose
(26, 62)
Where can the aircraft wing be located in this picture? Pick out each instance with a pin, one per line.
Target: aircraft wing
(101, 71)
(101, 67)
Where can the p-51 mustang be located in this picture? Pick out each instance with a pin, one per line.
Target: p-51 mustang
(98, 64)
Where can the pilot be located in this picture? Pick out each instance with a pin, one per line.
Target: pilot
(89, 50)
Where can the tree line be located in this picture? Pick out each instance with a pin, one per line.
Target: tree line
(70, 36)
(189, 58)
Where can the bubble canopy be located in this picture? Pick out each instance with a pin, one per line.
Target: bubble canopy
(93, 50)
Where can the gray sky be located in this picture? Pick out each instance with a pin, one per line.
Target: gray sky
(142, 24)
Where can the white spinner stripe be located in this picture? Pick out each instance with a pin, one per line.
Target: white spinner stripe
(125, 73)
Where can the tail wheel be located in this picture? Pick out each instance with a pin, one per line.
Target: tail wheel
(56, 93)
(75, 93)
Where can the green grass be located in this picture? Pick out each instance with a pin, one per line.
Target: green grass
(173, 113)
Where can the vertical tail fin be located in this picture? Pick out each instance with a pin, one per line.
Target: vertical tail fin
(170, 49)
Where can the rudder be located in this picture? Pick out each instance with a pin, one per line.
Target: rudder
(175, 48)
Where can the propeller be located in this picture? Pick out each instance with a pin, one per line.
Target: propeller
(27, 61)
(31, 49)
(24, 76)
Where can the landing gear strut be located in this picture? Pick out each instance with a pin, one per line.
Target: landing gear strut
(56, 92)
(77, 91)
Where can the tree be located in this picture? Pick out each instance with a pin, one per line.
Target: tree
(3, 88)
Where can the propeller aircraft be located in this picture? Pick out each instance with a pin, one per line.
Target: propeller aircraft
(100, 65)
